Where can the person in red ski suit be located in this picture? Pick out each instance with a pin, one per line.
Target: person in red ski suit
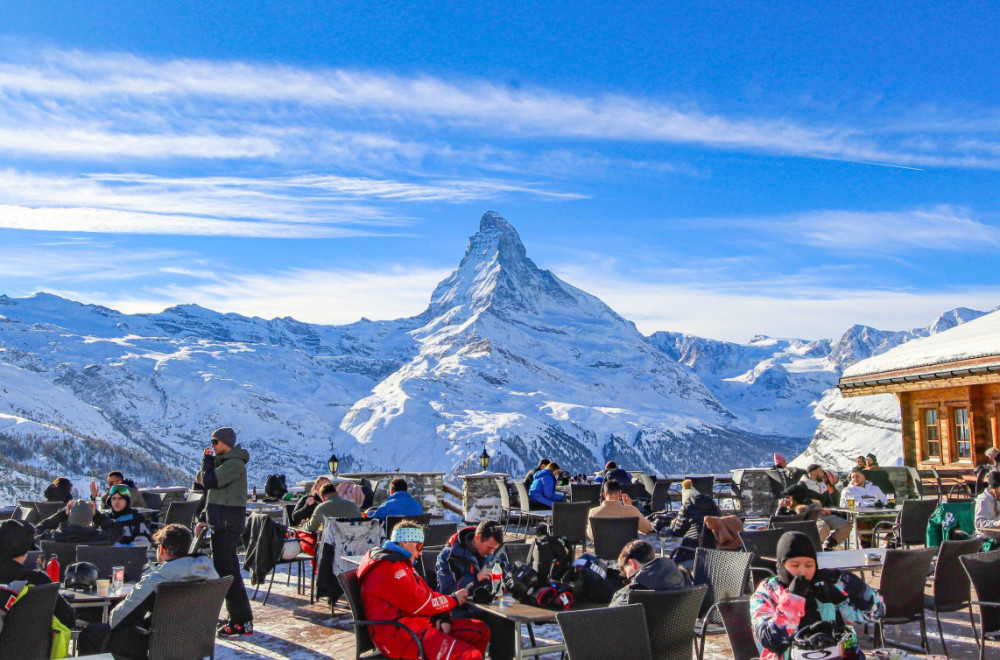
(392, 590)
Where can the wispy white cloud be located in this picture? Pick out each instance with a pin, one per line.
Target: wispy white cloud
(233, 100)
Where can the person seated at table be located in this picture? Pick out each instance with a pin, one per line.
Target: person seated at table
(307, 503)
(612, 471)
(528, 478)
(860, 487)
(833, 529)
(135, 530)
(127, 631)
(60, 490)
(616, 504)
(690, 520)
(543, 488)
(78, 522)
(466, 562)
(645, 571)
(116, 478)
(17, 538)
(392, 591)
(988, 503)
(861, 462)
(333, 506)
(801, 595)
(399, 502)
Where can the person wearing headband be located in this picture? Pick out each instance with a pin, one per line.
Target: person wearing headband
(392, 591)
(801, 595)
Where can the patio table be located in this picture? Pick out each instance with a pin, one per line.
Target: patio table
(527, 615)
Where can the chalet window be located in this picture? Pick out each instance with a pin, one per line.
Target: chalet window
(932, 441)
(963, 439)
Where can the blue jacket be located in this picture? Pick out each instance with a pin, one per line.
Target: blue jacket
(400, 503)
(458, 564)
(543, 489)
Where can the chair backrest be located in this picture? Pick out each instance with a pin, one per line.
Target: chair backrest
(181, 513)
(64, 552)
(660, 495)
(762, 543)
(392, 521)
(346, 537)
(46, 509)
(724, 572)
(28, 512)
(777, 521)
(807, 527)
(427, 567)
(351, 585)
(951, 582)
(704, 484)
(648, 481)
(757, 493)
(670, 618)
(590, 493)
(904, 573)
(983, 570)
(504, 494)
(27, 630)
(610, 632)
(612, 534)
(105, 557)
(569, 520)
(517, 553)
(522, 496)
(913, 519)
(152, 500)
(189, 606)
(31, 559)
(735, 613)
(437, 535)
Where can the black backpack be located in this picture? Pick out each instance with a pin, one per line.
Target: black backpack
(549, 556)
(274, 487)
(593, 579)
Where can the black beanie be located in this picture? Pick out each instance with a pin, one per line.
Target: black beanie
(993, 479)
(800, 493)
(16, 538)
(792, 544)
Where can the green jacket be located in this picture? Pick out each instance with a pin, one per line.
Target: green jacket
(946, 518)
(225, 478)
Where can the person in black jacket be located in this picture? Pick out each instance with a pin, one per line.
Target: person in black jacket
(307, 504)
(639, 563)
(16, 540)
(78, 522)
(691, 519)
(60, 490)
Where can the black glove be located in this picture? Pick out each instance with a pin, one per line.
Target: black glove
(800, 586)
(825, 584)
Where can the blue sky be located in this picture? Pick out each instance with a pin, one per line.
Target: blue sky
(721, 170)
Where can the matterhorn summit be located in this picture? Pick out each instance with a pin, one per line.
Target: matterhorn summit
(512, 358)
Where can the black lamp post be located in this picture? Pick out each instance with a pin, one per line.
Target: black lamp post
(333, 463)
(484, 460)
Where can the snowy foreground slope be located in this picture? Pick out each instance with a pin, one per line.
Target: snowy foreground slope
(506, 356)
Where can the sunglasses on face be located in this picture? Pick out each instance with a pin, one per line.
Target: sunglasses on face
(420, 547)
(214, 442)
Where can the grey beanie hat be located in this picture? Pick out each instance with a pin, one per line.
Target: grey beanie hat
(81, 514)
(225, 435)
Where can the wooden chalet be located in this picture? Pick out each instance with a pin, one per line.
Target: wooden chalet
(948, 387)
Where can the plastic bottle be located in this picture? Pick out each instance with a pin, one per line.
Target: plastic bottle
(52, 568)
(496, 579)
(253, 495)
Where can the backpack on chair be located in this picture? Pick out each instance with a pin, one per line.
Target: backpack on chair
(549, 556)
(275, 487)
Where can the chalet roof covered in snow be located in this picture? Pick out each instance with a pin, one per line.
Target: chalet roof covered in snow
(972, 348)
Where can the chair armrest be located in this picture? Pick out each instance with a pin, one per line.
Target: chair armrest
(984, 603)
(416, 640)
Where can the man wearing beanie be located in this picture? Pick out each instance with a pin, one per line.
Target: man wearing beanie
(801, 595)
(392, 591)
(224, 477)
(988, 503)
(78, 522)
(17, 538)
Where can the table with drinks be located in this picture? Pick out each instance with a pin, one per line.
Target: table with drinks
(109, 592)
(864, 510)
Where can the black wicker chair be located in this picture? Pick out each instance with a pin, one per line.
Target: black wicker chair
(27, 631)
(107, 557)
(904, 573)
(777, 521)
(517, 553)
(64, 552)
(590, 493)
(670, 618)
(910, 526)
(392, 521)
(363, 645)
(611, 632)
(189, 606)
(735, 613)
(427, 567)
(951, 590)
(807, 527)
(983, 570)
(725, 574)
(48, 509)
(181, 513)
(569, 521)
(613, 534)
(436, 535)
(704, 484)
(763, 543)
(661, 500)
